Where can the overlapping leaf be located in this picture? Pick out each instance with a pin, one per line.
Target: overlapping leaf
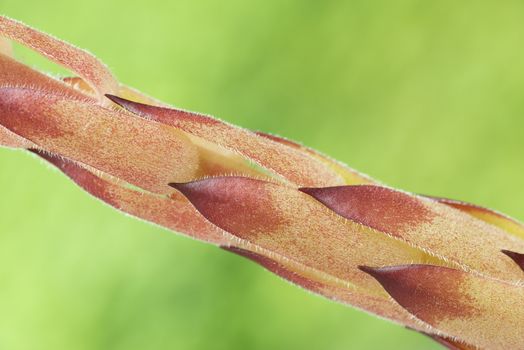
(78, 61)
(486, 312)
(448, 269)
(296, 166)
(437, 228)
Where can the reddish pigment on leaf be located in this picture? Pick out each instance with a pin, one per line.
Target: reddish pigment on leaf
(240, 189)
(91, 183)
(295, 166)
(402, 282)
(278, 269)
(379, 207)
(173, 212)
(489, 216)
(220, 202)
(518, 258)
(79, 61)
(27, 119)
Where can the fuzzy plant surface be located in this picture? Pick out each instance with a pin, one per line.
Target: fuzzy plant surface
(445, 268)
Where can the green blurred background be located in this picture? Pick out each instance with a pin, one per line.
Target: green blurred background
(424, 95)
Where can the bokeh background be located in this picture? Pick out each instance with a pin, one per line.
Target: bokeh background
(424, 95)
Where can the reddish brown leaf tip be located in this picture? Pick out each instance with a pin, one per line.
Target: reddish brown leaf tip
(312, 191)
(127, 104)
(518, 258)
(178, 186)
(419, 290)
(369, 270)
(238, 205)
(386, 276)
(391, 277)
(118, 100)
(378, 207)
(194, 191)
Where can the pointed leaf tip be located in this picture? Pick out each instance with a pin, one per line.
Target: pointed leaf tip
(440, 230)
(293, 164)
(518, 258)
(179, 186)
(118, 100)
(403, 284)
(140, 109)
(174, 212)
(379, 207)
(312, 191)
(232, 203)
(458, 303)
(135, 150)
(369, 270)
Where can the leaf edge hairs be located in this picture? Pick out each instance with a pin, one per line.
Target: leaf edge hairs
(448, 269)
